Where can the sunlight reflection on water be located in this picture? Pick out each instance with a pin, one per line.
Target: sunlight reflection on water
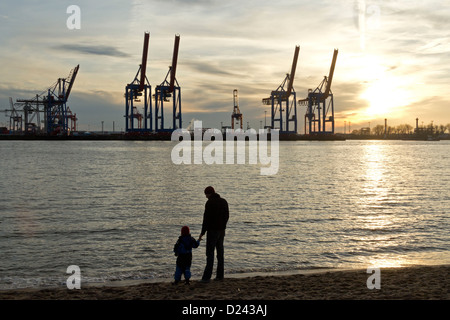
(115, 208)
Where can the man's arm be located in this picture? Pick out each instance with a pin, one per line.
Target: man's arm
(205, 221)
(227, 212)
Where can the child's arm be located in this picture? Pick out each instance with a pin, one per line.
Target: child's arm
(175, 247)
(195, 243)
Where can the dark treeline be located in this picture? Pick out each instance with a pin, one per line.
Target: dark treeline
(403, 129)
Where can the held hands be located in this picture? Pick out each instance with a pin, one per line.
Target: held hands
(200, 238)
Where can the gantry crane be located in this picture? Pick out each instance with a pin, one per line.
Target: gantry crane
(236, 116)
(282, 96)
(139, 89)
(320, 109)
(54, 101)
(15, 119)
(166, 90)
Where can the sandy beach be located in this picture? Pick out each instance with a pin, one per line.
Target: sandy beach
(406, 283)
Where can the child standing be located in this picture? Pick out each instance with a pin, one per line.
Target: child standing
(183, 251)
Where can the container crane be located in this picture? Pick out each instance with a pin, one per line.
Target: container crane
(138, 89)
(320, 109)
(15, 119)
(54, 101)
(282, 96)
(169, 88)
(236, 116)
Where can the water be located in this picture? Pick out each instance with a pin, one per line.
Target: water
(115, 209)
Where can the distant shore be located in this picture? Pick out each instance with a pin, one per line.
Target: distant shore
(166, 136)
(405, 283)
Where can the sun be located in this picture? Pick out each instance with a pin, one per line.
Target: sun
(385, 97)
(386, 91)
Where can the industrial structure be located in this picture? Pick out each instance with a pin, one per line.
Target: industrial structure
(136, 91)
(25, 114)
(15, 118)
(140, 91)
(280, 101)
(236, 116)
(320, 105)
(169, 88)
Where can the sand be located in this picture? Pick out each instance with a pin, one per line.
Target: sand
(406, 283)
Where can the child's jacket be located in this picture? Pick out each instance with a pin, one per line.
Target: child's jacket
(183, 250)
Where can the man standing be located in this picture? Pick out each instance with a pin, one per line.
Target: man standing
(214, 224)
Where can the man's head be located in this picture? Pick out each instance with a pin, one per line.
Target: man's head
(209, 191)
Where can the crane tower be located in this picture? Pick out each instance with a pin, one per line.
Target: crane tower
(236, 116)
(280, 101)
(135, 91)
(54, 102)
(169, 88)
(320, 105)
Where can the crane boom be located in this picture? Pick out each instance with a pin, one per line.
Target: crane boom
(236, 102)
(330, 76)
(72, 80)
(173, 68)
(292, 74)
(144, 61)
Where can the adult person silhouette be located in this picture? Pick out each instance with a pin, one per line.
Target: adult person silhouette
(215, 220)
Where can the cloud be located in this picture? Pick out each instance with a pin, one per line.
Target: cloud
(208, 68)
(224, 46)
(93, 49)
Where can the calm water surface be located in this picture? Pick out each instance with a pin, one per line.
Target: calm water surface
(115, 208)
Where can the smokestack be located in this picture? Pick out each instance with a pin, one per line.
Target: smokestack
(417, 123)
(385, 127)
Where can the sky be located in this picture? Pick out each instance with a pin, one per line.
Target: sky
(393, 61)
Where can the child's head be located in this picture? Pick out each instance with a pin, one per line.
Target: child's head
(185, 231)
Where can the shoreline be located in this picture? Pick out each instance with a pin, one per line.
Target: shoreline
(166, 136)
(238, 275)
(133, 282)
(425, 282)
